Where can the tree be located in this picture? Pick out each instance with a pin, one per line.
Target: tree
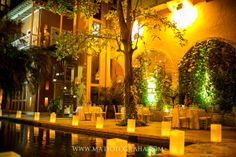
(39, 69)
(13, 72)
(121, 19)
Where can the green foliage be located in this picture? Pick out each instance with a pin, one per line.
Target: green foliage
(163, 86)
(69, 7)
(39, 66)
(70, 44)
(140, 79)
(113, 95)
(207, 74)
(54, 105)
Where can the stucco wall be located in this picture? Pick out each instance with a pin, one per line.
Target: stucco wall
(216, 18)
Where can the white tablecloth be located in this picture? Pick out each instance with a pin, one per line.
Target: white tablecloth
(82, 110)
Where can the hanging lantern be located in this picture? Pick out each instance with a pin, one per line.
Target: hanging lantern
(100, 121)
(75, 120)
(36, 115)
(53, 117)
(177, 142)
(18, 114)
(116, 147)
(165, 128)
(216, 133)
(131, 125)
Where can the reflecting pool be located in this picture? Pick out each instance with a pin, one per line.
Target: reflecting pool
(30, 141)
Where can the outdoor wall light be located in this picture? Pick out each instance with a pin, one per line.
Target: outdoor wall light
(183, 13)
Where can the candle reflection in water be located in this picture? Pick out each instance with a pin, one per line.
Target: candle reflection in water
(131, 149)
(52, 134)
(36, 131)
(99, 142)
(74, 139)
(18, 127)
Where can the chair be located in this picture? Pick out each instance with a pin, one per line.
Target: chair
(204, 120)
(184, 119)
(103, 113)
(118, 114)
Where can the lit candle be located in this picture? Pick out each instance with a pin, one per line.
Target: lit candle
(165, 128)
(116, 147)
(75, 120)
(36, 115)
(18, 114)
(53, 117)
(177, 142)
(99, 124)
(131, 125)
(216, 133)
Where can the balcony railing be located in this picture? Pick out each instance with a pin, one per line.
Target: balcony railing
(24, 41)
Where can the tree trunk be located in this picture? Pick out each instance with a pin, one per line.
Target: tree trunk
(130, 102)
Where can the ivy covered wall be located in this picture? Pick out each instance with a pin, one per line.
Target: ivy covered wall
(207, 75)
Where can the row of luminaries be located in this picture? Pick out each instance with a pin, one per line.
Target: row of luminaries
(176, 137)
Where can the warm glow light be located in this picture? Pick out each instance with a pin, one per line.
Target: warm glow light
(46, 101)
(216, 133)
(36, 131)
(0, 112)
(177, 142)
(47, 85)
(151, 90)
(53, 117)
(165, 128)
(75, 120)
(30, 101)
(36, 115)
(186, 16)
(131, 125)
(18, 114)
(18, 126)
(99, 142)
(137, 31)
(74, 139)
(99, 124)
(52, 134)
(116, 147)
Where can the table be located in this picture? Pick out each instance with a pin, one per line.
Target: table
(89, 111)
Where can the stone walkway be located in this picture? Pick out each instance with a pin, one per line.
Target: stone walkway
(150, 134)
